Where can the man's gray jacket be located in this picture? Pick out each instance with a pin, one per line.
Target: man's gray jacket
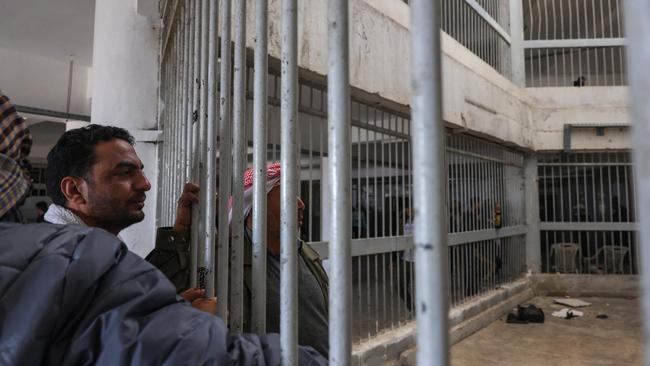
(72, 295)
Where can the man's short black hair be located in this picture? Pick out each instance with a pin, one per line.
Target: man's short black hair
(73, 155)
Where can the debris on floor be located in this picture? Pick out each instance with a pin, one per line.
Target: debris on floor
(567, 313)
(602, 316)
(525, 315)
(574, 303)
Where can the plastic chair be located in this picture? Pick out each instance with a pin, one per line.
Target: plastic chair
(613, 260)
(566, 257)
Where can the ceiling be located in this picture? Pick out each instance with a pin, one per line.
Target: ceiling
(49, 28)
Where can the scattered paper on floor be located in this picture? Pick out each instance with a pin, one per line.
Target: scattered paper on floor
(563, 313)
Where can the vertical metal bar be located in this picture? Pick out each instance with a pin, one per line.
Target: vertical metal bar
(225, 157)
(429, 185)
(368, 311)
(390, 179)
(364, 118)
(208, 115)
(239, 165)
(288, 253)
(258, 298)
(177, 117)
(185, 100)
(463, 186)
(165, 146)
(383, 288)
(383, 159)
(359, 190)
(338, 107)
(190, 94)
(70, 74)
(310, 213)
(375, 175)
(196, 138)
(169, 127)
(531, 187)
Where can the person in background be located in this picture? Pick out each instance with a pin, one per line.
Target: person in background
(41, 209)
(313, 282)
(15, 145)
(409, 262)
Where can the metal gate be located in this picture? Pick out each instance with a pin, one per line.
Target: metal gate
(588, 213)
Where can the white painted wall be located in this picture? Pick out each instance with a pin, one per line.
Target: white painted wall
(125, 92)
(42, 82)
(125, 66)
(554, 107)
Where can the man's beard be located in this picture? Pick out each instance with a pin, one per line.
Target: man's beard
(112, 213)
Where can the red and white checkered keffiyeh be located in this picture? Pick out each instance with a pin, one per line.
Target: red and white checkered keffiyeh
(272, 180)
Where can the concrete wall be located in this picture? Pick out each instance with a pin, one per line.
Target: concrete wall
(125, 91)
(554, 107)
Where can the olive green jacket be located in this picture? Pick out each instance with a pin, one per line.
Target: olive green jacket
(172, 256)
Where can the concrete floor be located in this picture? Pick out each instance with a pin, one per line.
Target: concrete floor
(578, 341)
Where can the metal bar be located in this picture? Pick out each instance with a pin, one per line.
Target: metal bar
(390, 182)
(208, 183)
(51, 113)
(70, 73)
(190, 95)
(166, 32)
(288, 253)
(177, 105)
(196, 147)
(184, 101)
(383, 159)
(589, 226)
(338, 107)
(310, 184)
(359, 191)
(239, 165)
(225, 155)
(429, 186)
(260, 130)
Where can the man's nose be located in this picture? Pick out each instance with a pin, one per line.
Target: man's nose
(143, 183)
(301, 205)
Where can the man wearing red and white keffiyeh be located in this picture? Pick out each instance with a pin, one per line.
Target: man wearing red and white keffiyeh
(172, 250)
(272, 181)
(312, 278)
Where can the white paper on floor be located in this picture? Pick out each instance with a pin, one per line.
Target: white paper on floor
(574, 303)
(563, 313)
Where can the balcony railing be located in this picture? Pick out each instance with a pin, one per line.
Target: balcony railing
(574, 43)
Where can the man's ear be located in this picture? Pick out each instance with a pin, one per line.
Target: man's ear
(72, 188)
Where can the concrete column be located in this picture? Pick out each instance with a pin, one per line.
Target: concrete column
(517, 46)
(125, 90)
(531, 192)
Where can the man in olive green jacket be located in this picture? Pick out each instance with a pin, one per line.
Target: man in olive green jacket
(172, 257)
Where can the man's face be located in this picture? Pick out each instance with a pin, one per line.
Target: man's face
(116, 186)
(273, 223)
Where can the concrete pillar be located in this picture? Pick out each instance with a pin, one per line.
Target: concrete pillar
(125, 90)
(517, 46)
(531, 192)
